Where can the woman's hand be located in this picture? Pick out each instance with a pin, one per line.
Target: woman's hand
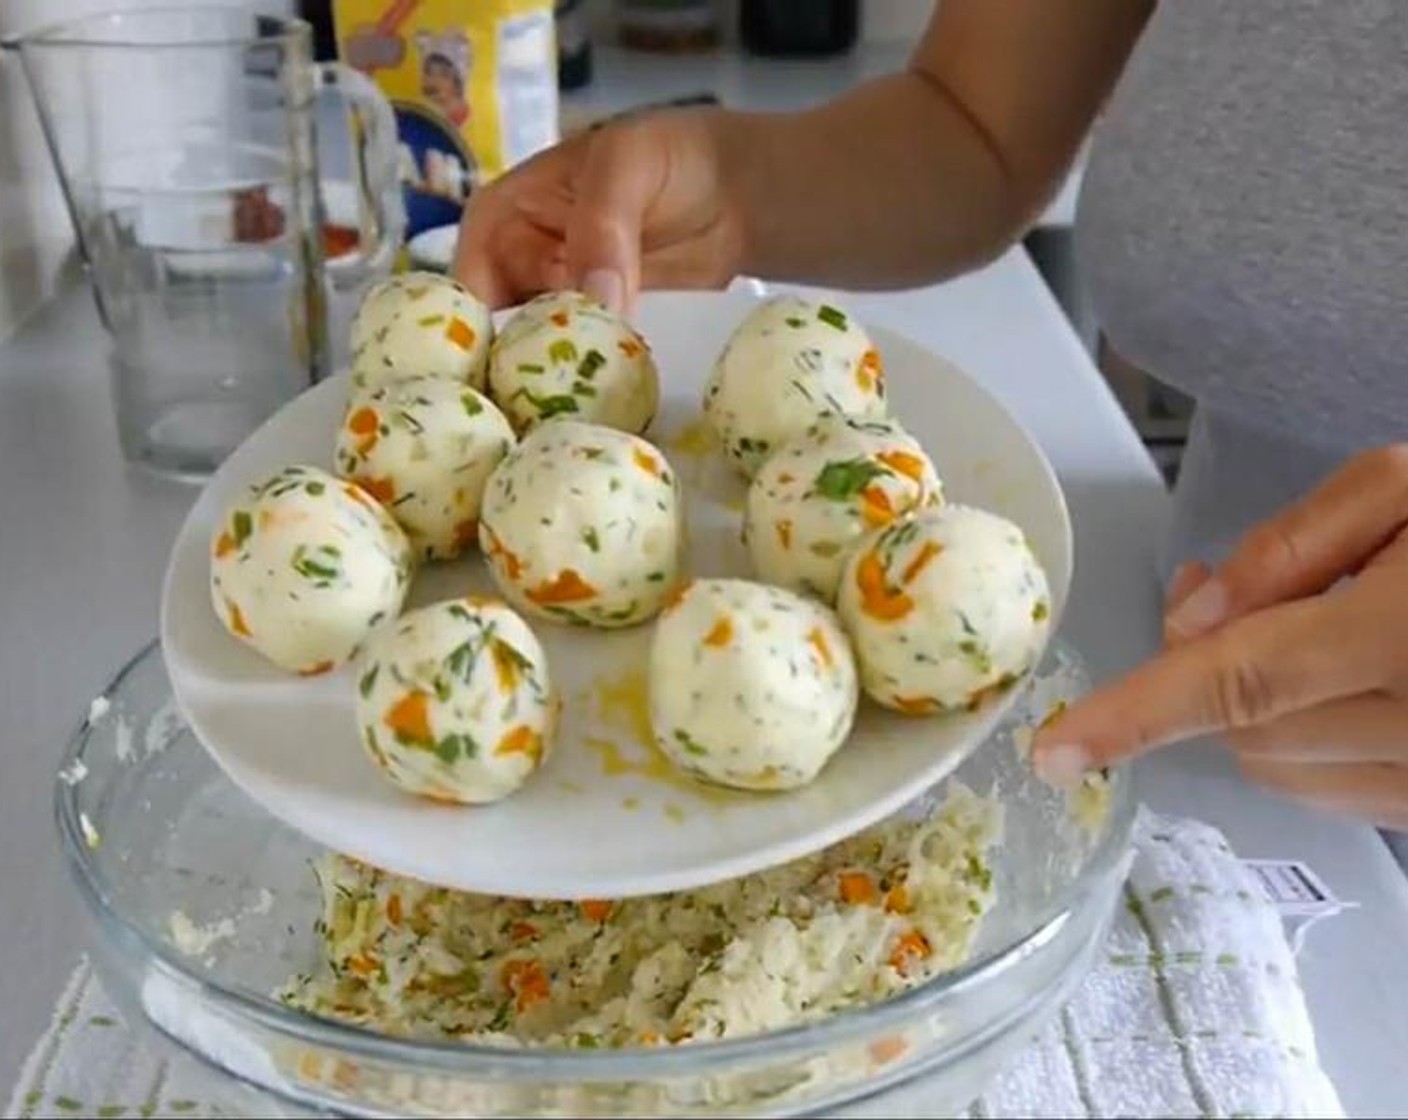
(635, 204)
(1307, 677)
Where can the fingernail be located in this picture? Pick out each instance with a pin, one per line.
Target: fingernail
(1062, 765)
(1201, 611)
(607, 287)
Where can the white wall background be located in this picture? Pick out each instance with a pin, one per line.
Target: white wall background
(35, 239)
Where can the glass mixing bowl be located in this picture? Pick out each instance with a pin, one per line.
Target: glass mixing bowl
(203, 905)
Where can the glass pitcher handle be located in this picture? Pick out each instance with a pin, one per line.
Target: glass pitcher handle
(374, 147)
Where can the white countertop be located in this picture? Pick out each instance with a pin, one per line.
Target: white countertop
(83, 543)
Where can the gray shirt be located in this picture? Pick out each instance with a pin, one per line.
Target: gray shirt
(1243, 229)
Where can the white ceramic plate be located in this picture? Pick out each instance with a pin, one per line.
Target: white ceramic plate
(606, 816)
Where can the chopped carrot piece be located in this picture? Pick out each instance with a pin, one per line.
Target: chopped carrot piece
(558, 318)
(869, 372)
(721, 633)
(876, 507)
(877, 599)
(526, 982)
(237, 622)
(460, 333)
(567, 587)
(817, 640)
(915, 705)
(316, 670)
(505, 666)
(382, 489)
(903, 462)
(927, 551)
(1057, 710)
(911, 947)
(523, 931)
(224, 545)
(784, 533)
(364, 964)
(512, 565)
(363, 421)
(393, 910)
(785, 478)
(857, 888)
(630, 347)
(522, 740)
(646, 462)
(886, 1050)
(982, 695)
(595, 910)
(409, 717)
(897, 900)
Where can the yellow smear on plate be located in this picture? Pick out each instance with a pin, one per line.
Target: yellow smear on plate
(695, 438)
(674, 813)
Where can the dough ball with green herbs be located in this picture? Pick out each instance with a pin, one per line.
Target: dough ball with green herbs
(946, 609)
(820, 494)
(425, 448)
(455, 702)
(420, 324)
(582, 524)
(750, 686)
(789, 363)
(564, 355)
(306, 567)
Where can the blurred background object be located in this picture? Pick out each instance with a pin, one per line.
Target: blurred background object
(574, 44)
(668, 26)
(799, 28)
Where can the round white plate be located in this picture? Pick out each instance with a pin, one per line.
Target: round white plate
(434, 248)
(606, 816)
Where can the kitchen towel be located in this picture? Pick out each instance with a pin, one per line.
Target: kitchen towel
(1193, 1009)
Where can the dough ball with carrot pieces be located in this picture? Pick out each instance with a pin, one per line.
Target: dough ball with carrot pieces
(563, 354)
(813, 500)
(455, 703)
(425, 448)
(582, 524)
(306, 567)
(751, 686)
(945, 609)
(789, 363)
(420, 324)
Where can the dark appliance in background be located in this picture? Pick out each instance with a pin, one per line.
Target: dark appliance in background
(798, 28)
(574, 44)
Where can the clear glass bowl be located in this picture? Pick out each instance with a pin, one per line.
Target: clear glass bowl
(151, 829)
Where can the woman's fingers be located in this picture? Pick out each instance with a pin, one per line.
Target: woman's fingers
(1254, 670)
(1374, 791)
(1186, 580)
(1305, 549)
(1368, 728)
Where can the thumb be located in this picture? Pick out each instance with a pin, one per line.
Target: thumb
(618, 180)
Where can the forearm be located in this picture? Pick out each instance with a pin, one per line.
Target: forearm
(890, 185)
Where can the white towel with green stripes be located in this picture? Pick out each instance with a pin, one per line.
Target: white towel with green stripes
(1194, 1010)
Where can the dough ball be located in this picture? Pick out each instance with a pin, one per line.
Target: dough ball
(455, 703)
(815, 498)
(565, 355)
(582, 524)
(945, 609)
(420, 324)
(789, 363)
(425, 448)
(306, 567)
(750, 686)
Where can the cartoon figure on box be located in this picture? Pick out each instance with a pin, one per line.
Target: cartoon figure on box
(444, 73)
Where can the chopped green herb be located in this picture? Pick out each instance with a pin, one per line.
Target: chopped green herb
(530, 367)
(584, 1041)
(552, 406)
(831, 317)
(368, 681)
(315, 488)
(471, 404)
(321, 565)
(656, 577)
(1040, 611)
(582, 389)
(243, 526)
(825, 549)
(691, 745)
(592, 362)
(443, 691)
(842, 480)
(451, 747)
(967, 626)
(794, 322)
(591, 539)
(562, 350)
(461, 660)
(410, 421)
(430, 321)
(457, 611)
